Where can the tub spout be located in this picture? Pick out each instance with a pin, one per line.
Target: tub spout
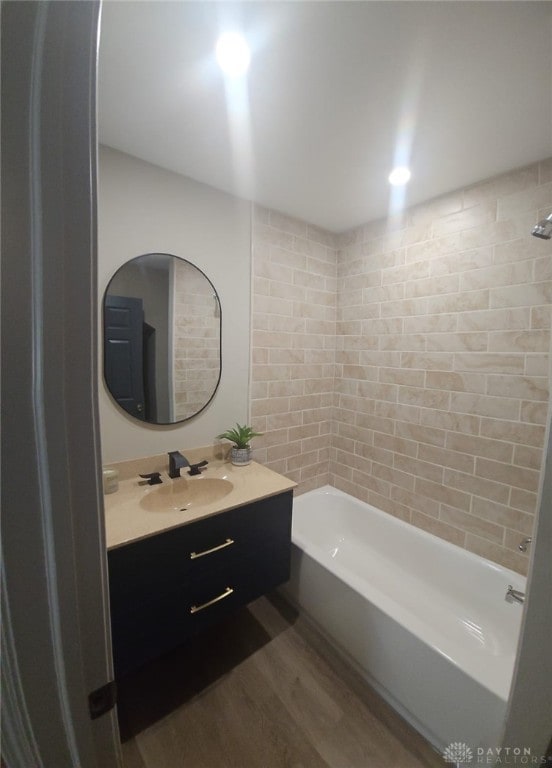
(514, 595)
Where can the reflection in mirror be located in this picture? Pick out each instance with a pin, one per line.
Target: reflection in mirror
(162, 338)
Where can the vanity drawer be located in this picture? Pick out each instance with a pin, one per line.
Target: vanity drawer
(146, 630)
(141, 571)
(169, 587)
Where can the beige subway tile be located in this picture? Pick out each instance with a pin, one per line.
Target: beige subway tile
(472, 216)
(435, 248)
(519, 341)
(527, 456)
(498, 275)
(283, 451)
(471, 484)
(278, 356)
(414, 501)
(432, 286)
(534, 413)
(283, 418)
(457, 342)
(410, 413)
(303, 460)
(502, 514)
(543, 269)
(496, 553)
(272, 438)
(372, 483)
(413, 378)
(404, 307)
(472, 524)
(425, 398)
(271, 372)
(318, 471)
(430, 324)
(479, 446)
(489, 362)
(523, 500)
(495, 319)
(387, 358)
(460, 262)
(443, 494)
(393, 476)
(284, 388)
(306, 279)
(259, 389)
(523, 387)
(406, 273)
(497, 232)
(418, 468)
(388, 505)
(446, 458)
(376, 259)
(438, 528)
(259, 355)
(528, 479)
(427, 361)
(278, 324)
(526, 247)
(530, 294)
(272, 405)
(285, 291)
(272, 271)
(457, 422)
(393, 325)
(392, 292)
(395, 444)
(456, 382)
(515, 432)
(530, 199)
(374, 453)
(482, 405)
(321, 236)
(466, 301)
(408, 342)
(537, 365)
(420, 434)
(271, 339)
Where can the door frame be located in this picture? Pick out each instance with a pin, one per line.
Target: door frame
(55, 608)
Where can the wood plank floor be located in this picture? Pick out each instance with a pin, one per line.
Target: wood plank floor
(262, 690)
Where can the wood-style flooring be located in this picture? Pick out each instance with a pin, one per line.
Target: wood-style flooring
(261, 690)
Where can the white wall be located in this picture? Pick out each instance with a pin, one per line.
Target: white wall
(145, 209)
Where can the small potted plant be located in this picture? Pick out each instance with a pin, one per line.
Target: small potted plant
(241, 436)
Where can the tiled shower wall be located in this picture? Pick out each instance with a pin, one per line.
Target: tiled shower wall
(441, 347)
(293, 346)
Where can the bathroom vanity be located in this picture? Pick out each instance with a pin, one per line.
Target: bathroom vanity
(186, 565)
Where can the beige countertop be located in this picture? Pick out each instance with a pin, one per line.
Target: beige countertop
(128, 519)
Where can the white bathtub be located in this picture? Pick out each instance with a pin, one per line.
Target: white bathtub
(424, 621)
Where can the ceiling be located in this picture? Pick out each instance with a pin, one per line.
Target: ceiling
(336, 94)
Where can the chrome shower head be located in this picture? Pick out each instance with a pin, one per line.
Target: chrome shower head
(543, 229)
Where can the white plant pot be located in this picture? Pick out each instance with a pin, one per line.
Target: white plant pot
(240, 456)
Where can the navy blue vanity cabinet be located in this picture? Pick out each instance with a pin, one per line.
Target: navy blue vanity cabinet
(170, 586)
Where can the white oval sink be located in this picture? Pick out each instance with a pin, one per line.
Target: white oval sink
(181, 494)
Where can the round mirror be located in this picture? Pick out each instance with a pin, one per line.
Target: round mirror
(162, 338)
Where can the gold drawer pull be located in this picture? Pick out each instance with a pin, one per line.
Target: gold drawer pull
(227, 592)
(194, 555)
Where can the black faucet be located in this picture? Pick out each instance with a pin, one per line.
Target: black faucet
(177, 461)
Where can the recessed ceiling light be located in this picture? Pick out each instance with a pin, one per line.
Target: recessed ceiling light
(399, 176)
(233, 54)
